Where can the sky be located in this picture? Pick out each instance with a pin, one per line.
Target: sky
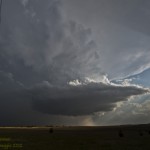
(73, 62)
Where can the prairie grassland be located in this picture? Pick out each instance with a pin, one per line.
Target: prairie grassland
(76, 138)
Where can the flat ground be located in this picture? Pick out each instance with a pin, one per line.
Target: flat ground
(76, 138)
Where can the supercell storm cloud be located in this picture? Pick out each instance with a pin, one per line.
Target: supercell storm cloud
(81, 100)
(57, 63)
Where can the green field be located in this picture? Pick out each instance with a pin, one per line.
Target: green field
(76, 138)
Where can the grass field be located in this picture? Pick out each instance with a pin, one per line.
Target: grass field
(76, 138)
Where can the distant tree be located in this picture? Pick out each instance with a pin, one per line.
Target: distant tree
(121, 133)
(140, 133)
(51, 130)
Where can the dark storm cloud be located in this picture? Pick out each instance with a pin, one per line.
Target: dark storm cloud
(80, 100)
(121, 31)
(30, 106)
(133, 14)
(41, 51)
(37, 43)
